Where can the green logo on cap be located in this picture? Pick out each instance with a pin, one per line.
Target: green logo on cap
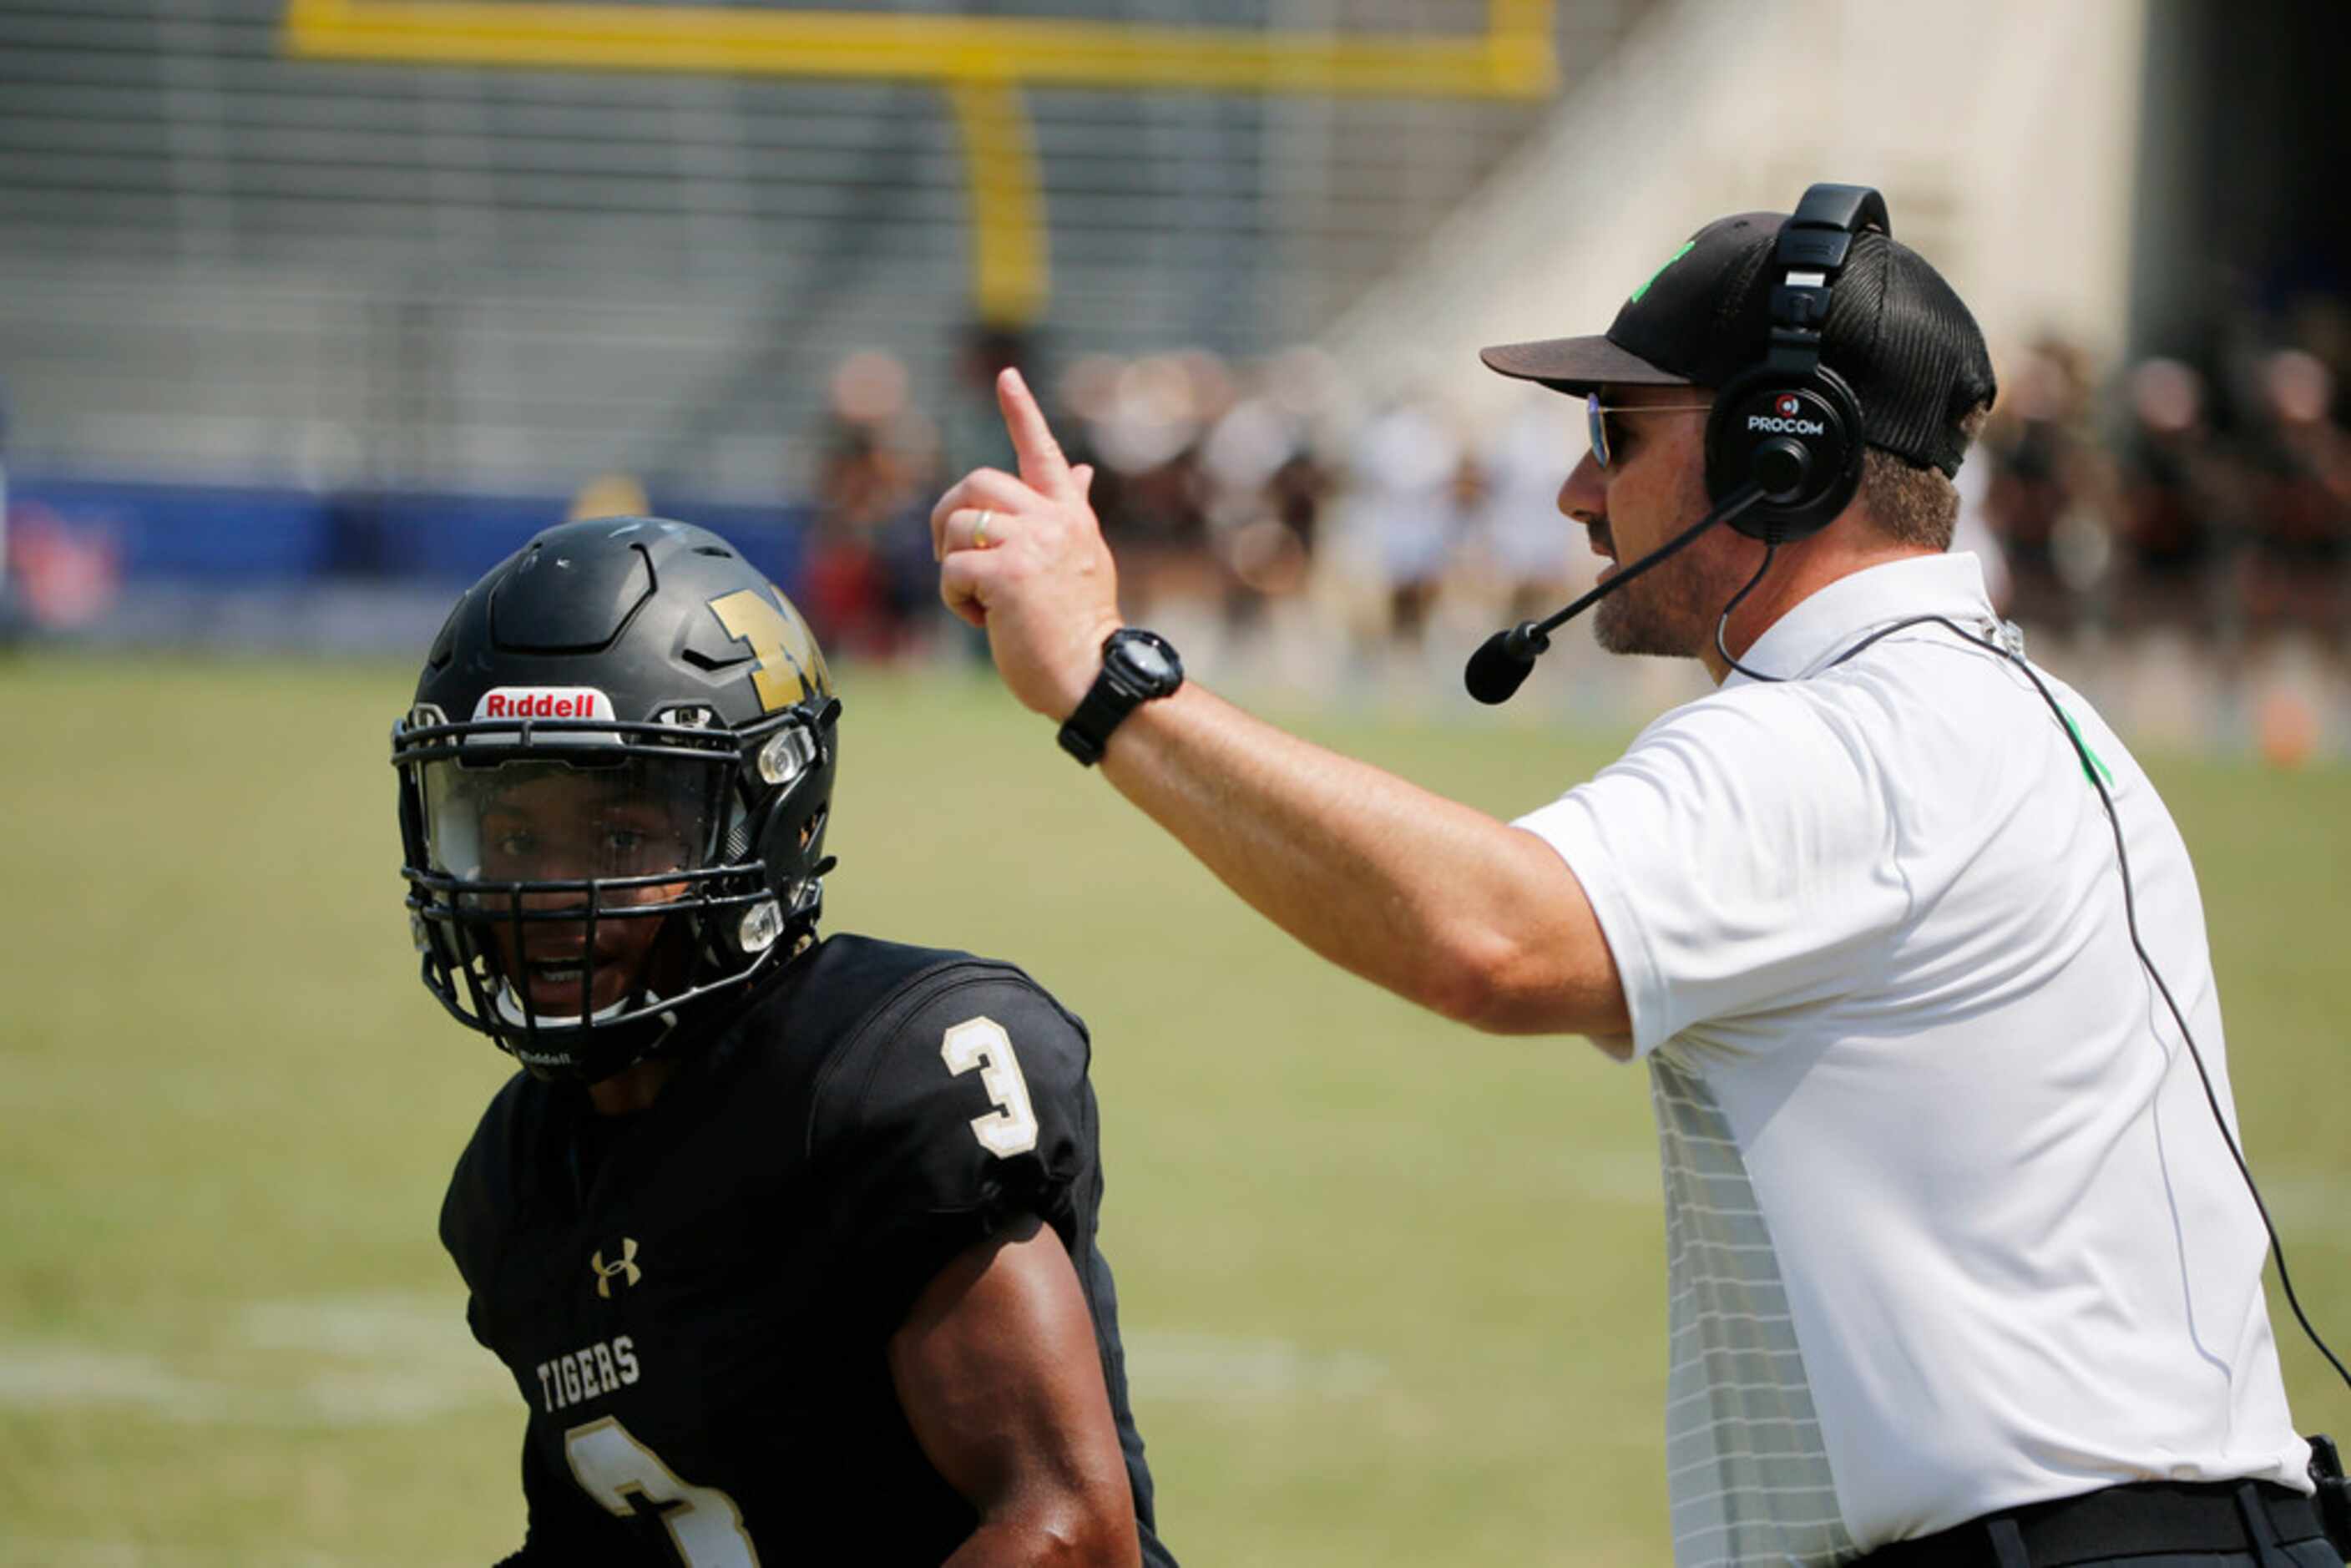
(1654, 276)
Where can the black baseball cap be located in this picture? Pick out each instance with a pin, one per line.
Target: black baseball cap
(1903, 342)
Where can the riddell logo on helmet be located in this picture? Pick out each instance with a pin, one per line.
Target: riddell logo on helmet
(543, 702)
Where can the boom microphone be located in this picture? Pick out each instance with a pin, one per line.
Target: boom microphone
(1502, 665)
(1504, 661)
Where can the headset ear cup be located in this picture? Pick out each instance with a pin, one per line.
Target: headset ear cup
(1793, 430)
(1726, 450)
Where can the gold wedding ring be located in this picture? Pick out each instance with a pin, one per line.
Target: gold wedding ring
(979, 530)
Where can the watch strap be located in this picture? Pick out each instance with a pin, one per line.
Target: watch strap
(1085, 734)
(1119, 687)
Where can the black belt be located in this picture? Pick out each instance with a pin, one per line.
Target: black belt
(2145, 1517)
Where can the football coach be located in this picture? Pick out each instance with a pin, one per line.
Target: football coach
(1962, 1269)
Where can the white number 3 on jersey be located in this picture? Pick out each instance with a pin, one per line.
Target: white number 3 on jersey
(981, 1042)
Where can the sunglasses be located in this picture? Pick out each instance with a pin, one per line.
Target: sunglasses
(1596, 413)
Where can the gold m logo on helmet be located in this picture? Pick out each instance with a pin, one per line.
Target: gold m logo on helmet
(789, 666)
(626, 1269)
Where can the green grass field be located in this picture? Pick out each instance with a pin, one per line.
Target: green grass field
(1394, 1291)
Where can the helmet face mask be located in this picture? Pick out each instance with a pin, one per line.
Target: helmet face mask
(619, 831)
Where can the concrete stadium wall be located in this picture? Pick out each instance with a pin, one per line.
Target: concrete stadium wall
(2003, 135)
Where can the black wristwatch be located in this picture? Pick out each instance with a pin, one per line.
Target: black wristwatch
(1137, 666)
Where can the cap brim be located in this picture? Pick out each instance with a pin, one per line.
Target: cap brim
(1577, 365)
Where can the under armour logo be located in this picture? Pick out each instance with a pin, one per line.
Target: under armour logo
(626, 1269)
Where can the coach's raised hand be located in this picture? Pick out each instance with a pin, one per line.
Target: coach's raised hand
(1024, 557)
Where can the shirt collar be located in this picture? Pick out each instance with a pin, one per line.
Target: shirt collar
(1833, 618)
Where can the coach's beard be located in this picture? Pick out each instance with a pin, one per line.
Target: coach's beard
(1655, 616)
(1623, 624)
(1669, 612)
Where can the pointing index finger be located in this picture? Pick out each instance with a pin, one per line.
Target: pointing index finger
(1042, 462)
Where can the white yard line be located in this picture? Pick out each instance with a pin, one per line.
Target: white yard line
(354, 1360)
(1172, 1365)
(58, 1554)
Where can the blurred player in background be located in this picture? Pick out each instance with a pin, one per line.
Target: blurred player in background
(788, 1242)
(1962, 1272)
(1407, 462)
(1535, 563)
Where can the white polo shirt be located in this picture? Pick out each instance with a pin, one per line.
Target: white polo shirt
(1949, 1226)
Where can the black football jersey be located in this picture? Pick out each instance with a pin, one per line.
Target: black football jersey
(695, 1300)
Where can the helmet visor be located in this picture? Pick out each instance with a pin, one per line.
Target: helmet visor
(568, 872)
(565, 822)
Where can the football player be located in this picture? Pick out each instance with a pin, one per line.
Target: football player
(788, 1242)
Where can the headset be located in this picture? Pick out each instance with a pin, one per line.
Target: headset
(1787, 425)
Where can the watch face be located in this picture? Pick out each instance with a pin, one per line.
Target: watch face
(1147, 661)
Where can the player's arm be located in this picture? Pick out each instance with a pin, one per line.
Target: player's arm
(1442, 904)
(561, 1523)
(1000, 1379)
(954, 1144)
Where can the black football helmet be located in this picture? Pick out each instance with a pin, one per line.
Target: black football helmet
(613, 786)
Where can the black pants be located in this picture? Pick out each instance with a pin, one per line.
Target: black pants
(2228, 1524)
(2301, 1555)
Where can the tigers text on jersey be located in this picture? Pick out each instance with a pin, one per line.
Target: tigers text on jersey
(695, 1301)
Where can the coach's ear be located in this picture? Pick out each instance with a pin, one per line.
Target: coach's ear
(1000, 1379)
